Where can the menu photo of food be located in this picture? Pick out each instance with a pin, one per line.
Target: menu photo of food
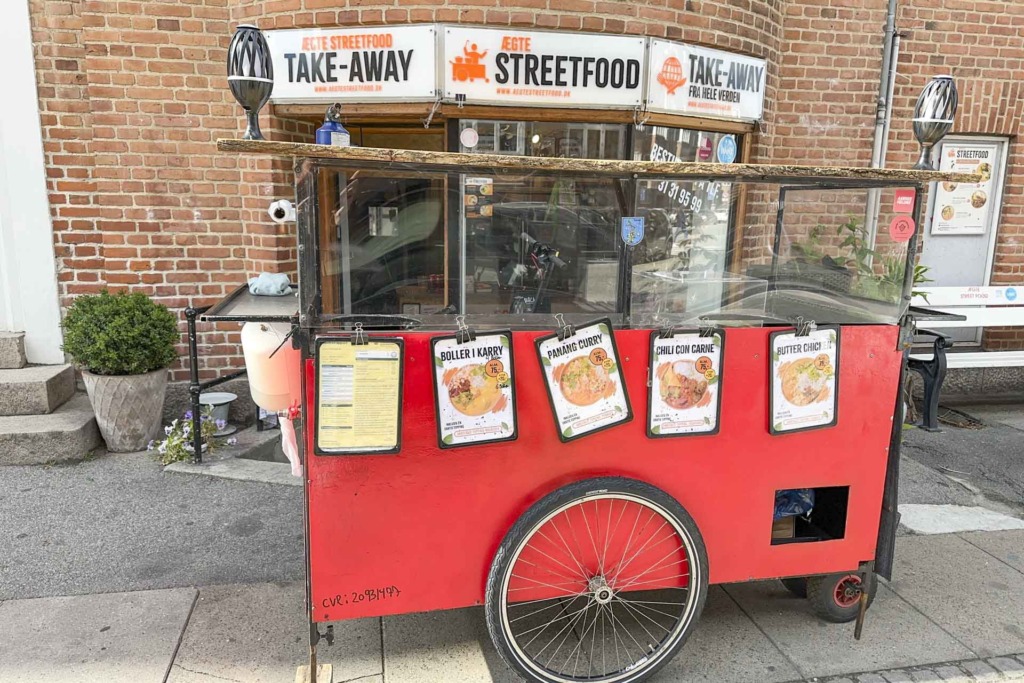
(804, 379)
(584, 381)
(684, 397)
(474, 390)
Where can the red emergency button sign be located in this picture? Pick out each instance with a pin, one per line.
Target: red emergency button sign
(901, 228)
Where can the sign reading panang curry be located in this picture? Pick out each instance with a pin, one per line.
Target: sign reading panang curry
(365, 64)
(542, 68)
(474, 389)
(804, 379)
(584, 381)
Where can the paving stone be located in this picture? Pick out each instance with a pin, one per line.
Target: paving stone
(897, 676)
(258, 634)
(1007, 665)
(923, 675)
(870, 678)
(108, 638)
(953, 674)
(976, 598)
(803, 637)
(1008, 546)
(981, 671)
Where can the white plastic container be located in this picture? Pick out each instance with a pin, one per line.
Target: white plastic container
(275, 383)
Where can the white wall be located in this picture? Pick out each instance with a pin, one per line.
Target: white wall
(28, 273)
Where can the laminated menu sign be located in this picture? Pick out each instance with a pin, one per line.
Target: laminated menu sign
(583, 380)
(684, 397)
(474, 389)
(804, 379)
(966, 208)
(358, 396)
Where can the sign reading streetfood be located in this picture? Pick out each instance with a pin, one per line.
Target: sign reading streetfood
(383, 63)
(685, 79)
(966, 208)
(513, 67)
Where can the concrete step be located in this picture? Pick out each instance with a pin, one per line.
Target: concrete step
(12, 350)
(35, 389)
(67, 434)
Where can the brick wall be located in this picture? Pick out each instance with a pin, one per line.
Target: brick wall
(133, 96)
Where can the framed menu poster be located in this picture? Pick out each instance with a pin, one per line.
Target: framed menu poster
(584, 380)
(803, 381)
(474, 389)
(358, 396)
(684, 396)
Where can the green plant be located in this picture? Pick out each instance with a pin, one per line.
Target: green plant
(177, 444)
(120, 334)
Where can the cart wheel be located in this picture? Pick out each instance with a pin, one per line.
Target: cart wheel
(796, 585)
(836, 597)
(602, 580)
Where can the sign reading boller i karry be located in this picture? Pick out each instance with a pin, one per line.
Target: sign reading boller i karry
(541, 68)
(365, 64)
(685, 79)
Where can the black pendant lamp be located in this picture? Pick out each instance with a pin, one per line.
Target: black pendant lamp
(933, 117)
(250, 75)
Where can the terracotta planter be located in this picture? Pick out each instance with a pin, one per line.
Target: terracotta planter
(128, 407)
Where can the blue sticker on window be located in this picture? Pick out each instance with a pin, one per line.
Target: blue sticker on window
(727, 149)
(632, 230)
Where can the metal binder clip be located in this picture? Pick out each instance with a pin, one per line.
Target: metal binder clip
(359, 338)
(667, 332)
(565, 330)
(465, 333)
(804, 327)
(705, 327)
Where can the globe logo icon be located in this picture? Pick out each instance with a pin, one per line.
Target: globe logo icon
(671, 75)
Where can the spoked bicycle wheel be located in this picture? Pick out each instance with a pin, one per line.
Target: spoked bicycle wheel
(599, 581)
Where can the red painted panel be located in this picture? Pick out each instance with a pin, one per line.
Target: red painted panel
(417, 531)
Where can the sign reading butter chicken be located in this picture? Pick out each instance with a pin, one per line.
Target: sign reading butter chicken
(684, 397)
(686, 79)
(804, 379)
(474, 389)
(584, 381)
(334, 65)
(541, 68)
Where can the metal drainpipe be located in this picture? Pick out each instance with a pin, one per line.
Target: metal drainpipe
(883, 115)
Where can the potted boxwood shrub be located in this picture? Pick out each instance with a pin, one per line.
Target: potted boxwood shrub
(124, 344)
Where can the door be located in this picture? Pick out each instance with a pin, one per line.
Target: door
(28, 277)
(963, 219)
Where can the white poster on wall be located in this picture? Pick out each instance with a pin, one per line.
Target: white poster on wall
(539, 68)
(382, 63)
(698, 81)
(965, 208)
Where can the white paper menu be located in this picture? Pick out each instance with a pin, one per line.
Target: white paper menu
(804, 379)
(584, 380)
(474, 389)
(684, 396)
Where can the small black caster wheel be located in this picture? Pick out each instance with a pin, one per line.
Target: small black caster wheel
(796, 585)
(836, 597)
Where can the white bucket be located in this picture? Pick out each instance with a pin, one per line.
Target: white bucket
(275, 383)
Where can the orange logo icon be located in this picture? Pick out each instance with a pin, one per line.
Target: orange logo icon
(469, 67)
(671, 75)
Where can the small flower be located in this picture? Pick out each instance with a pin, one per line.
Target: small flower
(188, 415)
(232, 441)
(221, 424)
(149, 446)
(168, 429)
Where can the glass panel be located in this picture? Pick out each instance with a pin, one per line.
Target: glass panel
(382, 242)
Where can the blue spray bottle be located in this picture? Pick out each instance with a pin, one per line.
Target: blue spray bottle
(332, 132)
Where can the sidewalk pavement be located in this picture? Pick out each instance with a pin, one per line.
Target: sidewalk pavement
(955, 612)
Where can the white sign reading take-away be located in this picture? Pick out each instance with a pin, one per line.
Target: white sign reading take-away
(383, 63)
(510, 66)
(686, 79)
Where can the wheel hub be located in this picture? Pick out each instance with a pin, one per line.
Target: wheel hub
(600, 590)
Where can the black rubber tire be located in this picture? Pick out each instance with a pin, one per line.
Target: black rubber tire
(796, 585)
(821, 596)
(580, 491)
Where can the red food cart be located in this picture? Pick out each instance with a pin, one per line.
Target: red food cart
(579, 392)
